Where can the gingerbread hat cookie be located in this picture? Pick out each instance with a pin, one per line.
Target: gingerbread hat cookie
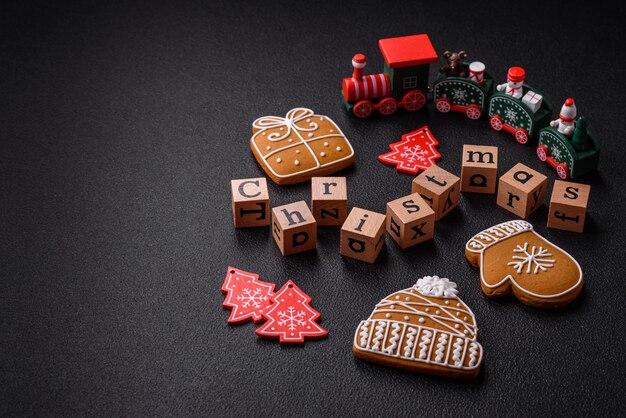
(425, 328)
(299, 146)
(515, 259)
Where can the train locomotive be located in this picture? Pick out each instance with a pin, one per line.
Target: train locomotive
(403, 83)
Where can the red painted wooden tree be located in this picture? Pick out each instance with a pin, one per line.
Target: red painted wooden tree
(246, 296)
(291, 318)
(415, 152)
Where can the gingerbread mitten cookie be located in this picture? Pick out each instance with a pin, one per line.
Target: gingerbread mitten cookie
(425, 328)
(299, 146)
(515, 259)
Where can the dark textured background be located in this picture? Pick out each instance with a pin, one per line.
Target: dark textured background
(120, 128)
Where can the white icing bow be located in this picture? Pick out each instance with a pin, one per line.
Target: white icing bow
(436, 286)
(294, 115)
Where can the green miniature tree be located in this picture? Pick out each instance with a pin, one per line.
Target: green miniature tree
(579, 139)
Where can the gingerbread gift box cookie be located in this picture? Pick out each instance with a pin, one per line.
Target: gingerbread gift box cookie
(425, 328)
(513, 258)
(299, 146)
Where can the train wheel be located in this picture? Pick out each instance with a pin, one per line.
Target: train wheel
(521, 135)
(387, 106)
(414, 100)
(496, 122)
(443, 105)
(562, 170)
(363, 109)
(542, 152)
(474, 112)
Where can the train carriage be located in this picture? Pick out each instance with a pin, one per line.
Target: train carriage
(403, 83)
(514, 116)
(570, 158)
(461, 94)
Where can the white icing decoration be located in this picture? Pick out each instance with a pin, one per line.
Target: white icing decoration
(410, 342)
(325, 144)
(533, 257)
(297, 151)
(441, 346)
(268, 148)
(473, 353)
(395, 337)
(424, 343)
(398, 297)
(310, 135)
(279, 160)
(456, 355)
(388, 315)
(290, 140)
(406, 317)
(296, 162)
(364, 334)
(338, 148)
(427, 309)
(457, 326)
(380, 332)
(421, 320)
(322, 154)
(436, 286)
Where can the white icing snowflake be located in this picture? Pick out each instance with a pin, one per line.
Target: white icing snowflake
(291, 318)
(253, 299)
(510, 115)
(536, 257)
(414, 153)
(556, 153)
(436, 286)
(459, 94)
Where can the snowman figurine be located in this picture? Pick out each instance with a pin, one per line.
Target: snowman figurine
(515, 80)
(565, 123)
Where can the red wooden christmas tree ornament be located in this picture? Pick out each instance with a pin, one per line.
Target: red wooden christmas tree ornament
(246, 296)
(415, 152)
(291, 318)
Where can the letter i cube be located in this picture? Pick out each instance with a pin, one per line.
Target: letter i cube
(479, 169)
(410, 220)
(521, 190)
(363, 235)
(294, 228)
(251, 202)
(568, 206)
(439, 188)
(329, 200)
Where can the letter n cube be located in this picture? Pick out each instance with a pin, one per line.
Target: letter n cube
(363, 235)
(410, 220)
(294, 228)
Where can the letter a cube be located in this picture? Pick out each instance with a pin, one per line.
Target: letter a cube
(329, 200)
(251, 202)
(568, 206)
(479, 169)
(439, 189)
(294, 228)
(363, 235)
(521, 190)
(410, 220)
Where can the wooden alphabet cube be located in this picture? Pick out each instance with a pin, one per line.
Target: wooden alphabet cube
(251, 202)
(410, 220)
(479, 169)
(329, 200)
(294, 228)
(439, 188)
(568, 206)
(363, 235)
(521, 190)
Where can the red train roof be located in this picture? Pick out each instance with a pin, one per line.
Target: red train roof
(407, 51)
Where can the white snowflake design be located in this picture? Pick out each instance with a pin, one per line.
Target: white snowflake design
(459, 94)
(291, 318)
(536, 257)
(510, 114)
(251, 298)
(414, 153)
(556, 153)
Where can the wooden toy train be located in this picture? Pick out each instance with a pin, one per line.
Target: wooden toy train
(514, 106)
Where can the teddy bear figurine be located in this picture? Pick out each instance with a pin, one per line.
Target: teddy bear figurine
(454, 67)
